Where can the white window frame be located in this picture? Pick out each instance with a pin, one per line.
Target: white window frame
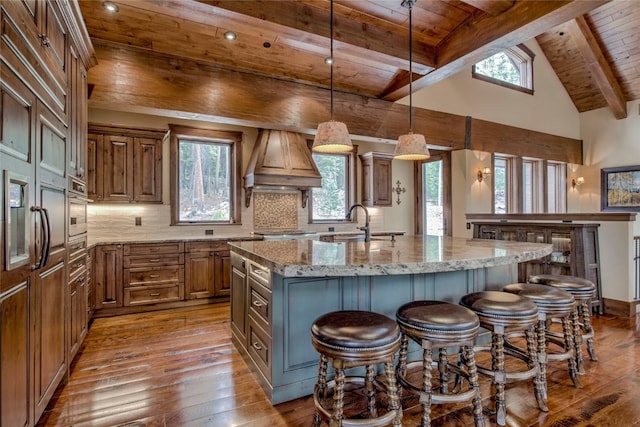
(522, 58)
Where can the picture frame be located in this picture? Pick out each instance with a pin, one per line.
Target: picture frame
(620, 189)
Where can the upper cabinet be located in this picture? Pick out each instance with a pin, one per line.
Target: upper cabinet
(124, 165)
(376, 179)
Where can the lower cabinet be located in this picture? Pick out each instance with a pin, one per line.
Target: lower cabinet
(239, 299)
(77, 310)
(208, 270)
(107, 275)
(14, 363)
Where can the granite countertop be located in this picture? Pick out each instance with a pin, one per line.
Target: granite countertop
(405, 255)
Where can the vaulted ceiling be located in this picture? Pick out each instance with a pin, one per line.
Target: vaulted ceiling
(594, 46)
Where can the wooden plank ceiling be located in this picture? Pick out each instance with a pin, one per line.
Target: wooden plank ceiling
(289, 40)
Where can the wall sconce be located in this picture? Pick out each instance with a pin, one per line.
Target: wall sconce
(577, 181)
(482, 174)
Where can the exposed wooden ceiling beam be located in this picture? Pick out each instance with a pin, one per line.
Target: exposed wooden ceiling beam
(134, 80)
(300, 21)
(487, 35)
(598, 66)
(492, 7)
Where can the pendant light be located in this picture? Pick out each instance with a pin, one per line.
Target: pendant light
(411, 146)
(332, 136)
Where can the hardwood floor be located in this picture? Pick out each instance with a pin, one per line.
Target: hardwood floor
(179, 368)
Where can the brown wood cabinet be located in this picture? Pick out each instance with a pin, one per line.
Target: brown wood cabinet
(77, 295)
(153, 273)
(108, 276)
(575, 249)
(239, 299)
(124, 165)
(376, 179)
(208, 270)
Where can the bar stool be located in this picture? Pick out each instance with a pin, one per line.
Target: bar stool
(439, 325)
(583, 291)
(552, 304)
(502, 313)
(349, 339)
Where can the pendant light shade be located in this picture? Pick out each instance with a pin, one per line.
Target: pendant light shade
(332, 136)
(411, 146)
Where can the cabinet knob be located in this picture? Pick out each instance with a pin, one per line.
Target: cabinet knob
(44, 40)
(257, 346)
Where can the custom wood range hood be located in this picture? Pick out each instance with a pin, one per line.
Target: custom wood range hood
(281, 159)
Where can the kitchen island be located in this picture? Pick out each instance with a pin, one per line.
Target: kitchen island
(278, 288)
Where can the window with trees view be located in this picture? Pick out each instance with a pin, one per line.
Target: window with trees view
(205, 166)
(331, 202)
(524, 185)
(511, 68)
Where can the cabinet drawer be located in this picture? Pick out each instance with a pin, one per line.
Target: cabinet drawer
(153, 294)
(152, 260)
(238, 262)
(153, 276)
(259, 348)
(154, 248)
(77, 264)
(260, 274)
(259, 303)
(77, 247)
(206, 246)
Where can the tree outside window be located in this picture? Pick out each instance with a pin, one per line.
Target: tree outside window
(512, 68)
(330, 202)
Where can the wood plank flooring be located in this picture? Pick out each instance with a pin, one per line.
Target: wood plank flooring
(179, 368)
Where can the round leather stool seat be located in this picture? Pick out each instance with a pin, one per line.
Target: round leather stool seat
(348, 333)
(577, 286)
(438, 325)
(348, 339)
(501, 308)
(551, 300)
(440, 320)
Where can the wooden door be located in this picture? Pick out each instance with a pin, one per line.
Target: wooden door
(199, 278)
(222, 273)
(108, 276)
(94, 172)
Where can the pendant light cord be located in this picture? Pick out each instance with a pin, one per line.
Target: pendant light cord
(410, 69)
(331, 56)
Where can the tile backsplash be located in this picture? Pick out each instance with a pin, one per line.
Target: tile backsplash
(276, 210)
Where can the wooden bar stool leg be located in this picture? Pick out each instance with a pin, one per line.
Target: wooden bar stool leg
(425, 396)
(570, 347)
(401, 371)
(370, 391)
(338, 396)
(499, 375)
(321, 387)
(470, 363)
(588, 328)
(541, 330)
(394, 397)
(577, 336)
(539, 382)
(443, 371)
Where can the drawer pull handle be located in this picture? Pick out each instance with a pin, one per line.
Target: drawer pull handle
(153, 276)
(154, 260)
(257, 346)
(155, 294)
(257, 304)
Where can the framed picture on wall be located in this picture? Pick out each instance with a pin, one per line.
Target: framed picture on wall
(620, 189)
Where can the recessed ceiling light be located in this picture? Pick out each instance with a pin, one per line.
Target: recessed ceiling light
(230, 35)
(110, 6)
(329, 60)
(266, 45)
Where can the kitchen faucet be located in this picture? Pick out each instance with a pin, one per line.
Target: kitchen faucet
(366, 229)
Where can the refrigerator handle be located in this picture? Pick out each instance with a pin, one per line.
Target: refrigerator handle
(44, 225)
(47, 246)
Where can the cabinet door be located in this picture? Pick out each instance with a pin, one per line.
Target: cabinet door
(94, 172)
(77, 118)
(14, 357)
(239, 299)
(147, 170)
(222, 273)
(77, 312)
(108, 276)
(117, 152)
(49, 333)
(382, 182)
(199, 274)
